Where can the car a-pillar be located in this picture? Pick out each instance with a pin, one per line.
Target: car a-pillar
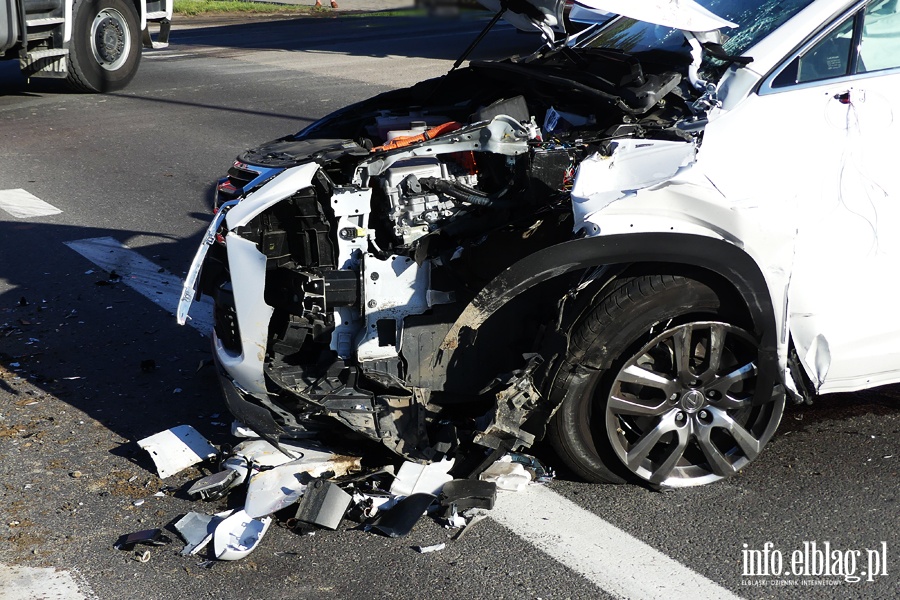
(105, 47)
(669, 372)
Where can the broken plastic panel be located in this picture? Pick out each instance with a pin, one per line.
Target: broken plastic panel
(238, 535)
(197, 529)
(508, 475)
(399, 521)
(460, 494)
(270, 491)
(414, 478)
(176, 449)
(214, 486)
(324, 504)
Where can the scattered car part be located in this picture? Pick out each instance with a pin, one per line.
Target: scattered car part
(403, 516)
(176, 449)
(238, 535)
(323, 504)
(362, 283)
(507, 475)
(146, 537)
(460, 494)
(274, 489)
(213, 487)
(197, 529)
(414, 478)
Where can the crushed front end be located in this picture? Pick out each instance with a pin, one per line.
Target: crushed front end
(342, 256)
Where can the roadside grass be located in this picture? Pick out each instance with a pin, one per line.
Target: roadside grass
(206, 7)
(190, 8)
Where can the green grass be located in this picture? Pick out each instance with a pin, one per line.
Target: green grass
(206, 7)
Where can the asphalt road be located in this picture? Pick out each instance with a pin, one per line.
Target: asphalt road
(137, 166)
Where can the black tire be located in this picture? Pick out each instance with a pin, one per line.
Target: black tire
(628, 339)
(105, 49)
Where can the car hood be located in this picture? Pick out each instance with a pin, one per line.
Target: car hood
(678, 14)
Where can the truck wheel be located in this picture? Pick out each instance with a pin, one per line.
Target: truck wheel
(105, 49)
(673, 399)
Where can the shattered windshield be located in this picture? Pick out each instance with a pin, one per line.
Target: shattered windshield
(755, 20)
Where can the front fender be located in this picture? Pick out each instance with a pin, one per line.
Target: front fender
(715, 255)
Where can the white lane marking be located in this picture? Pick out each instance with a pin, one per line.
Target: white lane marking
(28, 583)
(610, 558)
(23, 205)
(144, 277)
(160, 56)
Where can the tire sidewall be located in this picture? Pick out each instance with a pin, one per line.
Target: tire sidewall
(579, 426)
(85, 72)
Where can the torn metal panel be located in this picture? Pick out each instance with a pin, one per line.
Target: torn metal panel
(177, 449)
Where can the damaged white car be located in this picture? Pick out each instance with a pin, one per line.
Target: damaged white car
(637, 242)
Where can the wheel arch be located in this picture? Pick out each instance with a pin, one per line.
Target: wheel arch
(722, 265)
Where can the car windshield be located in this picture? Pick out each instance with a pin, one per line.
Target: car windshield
(755, 20)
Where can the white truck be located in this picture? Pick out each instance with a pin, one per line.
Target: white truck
(94, 44)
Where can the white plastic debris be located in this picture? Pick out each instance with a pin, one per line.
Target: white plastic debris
(508, 475)
(240, 430)
(176, 449)
(280, 486)
(238, 535)
(270, 491)
(427, 549)
(197, 530)
(414, 478)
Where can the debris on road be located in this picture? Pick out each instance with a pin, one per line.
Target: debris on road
(146, 537)
(176, 449)
(323, 486)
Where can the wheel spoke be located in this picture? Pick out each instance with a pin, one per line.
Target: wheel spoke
(748, 444)
(726, 381)
(716, 347)
(717, 461)
(682, 340)
(641, 376)
(623, 406)
(642, 448)
(665, 469)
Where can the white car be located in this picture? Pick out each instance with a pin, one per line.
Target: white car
(639, 242)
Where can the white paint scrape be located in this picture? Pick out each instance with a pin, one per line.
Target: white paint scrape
(28, 583)
(24, 205)
(610, 558)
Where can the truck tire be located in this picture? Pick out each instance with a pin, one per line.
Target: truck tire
(105, 49)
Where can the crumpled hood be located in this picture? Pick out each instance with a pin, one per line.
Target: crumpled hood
(288, 151)
(678, 14)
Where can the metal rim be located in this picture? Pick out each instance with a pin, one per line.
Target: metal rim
(680, 413)
(110, 39)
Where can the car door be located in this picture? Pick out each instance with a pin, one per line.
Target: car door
(817, 142)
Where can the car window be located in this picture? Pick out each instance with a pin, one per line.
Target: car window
(880, 42)
(829, 57)
(833, 55)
